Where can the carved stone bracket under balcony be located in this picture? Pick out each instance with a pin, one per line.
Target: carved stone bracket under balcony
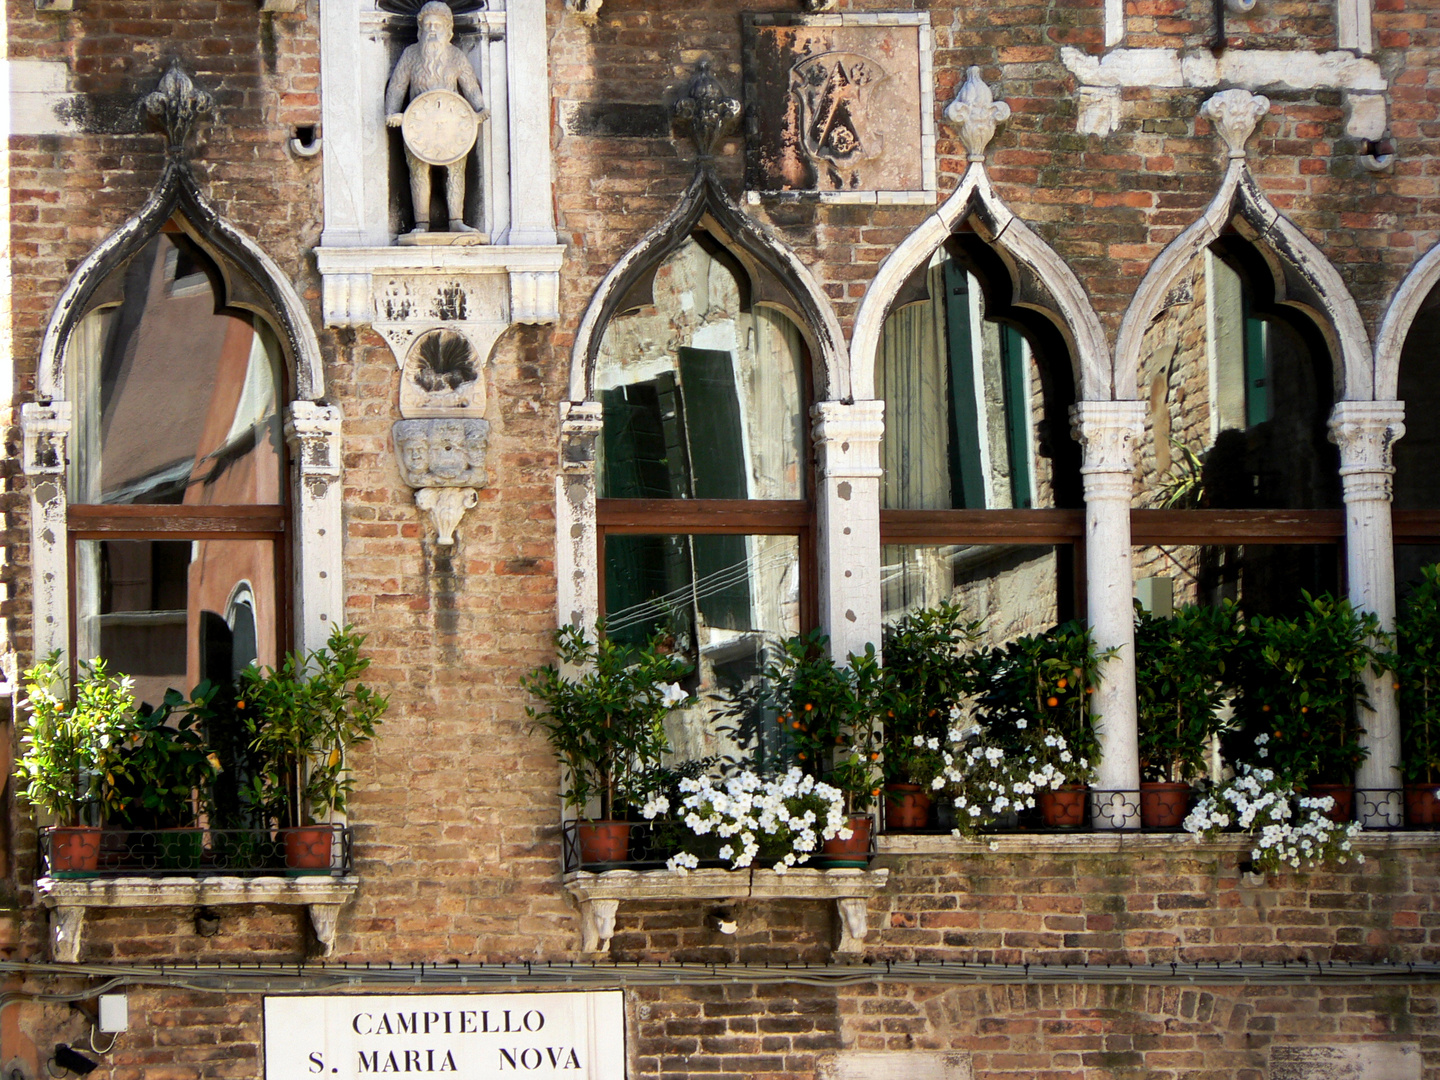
(69, 900)
(599, 895)
(405, 293)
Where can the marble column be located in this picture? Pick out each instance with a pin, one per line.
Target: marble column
(1366, 431)
(577, 570)
(313, 431)
(45, 433)
(1108, 432)
(847, 441)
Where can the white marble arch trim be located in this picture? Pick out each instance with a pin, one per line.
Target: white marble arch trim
(1081, 327)
(1338, 317)
(178, 192)
(1399, 317)
(818, 324)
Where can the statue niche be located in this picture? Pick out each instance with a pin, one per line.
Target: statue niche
(439, 125)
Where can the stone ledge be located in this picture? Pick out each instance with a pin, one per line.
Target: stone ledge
(69, 899)
(1114, 841)
(599, 895)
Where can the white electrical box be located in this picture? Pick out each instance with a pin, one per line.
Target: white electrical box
(114, 1012)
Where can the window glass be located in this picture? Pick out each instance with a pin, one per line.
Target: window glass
(1013, 589)
(721, 601)
(1264, 579)
(173, 612)
(703, 393)
(176, 399)
(964, 401)
(1417, 455)
(1238, 397)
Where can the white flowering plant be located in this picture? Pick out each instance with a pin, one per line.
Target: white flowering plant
(747, 818)
(1288, 832)
(986, 782)
(926, 676)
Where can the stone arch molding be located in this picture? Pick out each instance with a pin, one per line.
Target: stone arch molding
(706, 202)
(1304, 278)
(1041, 279)
(265, 289)
(1424, 276)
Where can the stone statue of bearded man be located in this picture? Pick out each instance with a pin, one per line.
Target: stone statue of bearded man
(434, 64)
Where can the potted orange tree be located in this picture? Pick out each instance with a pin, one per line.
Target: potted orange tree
(605, 719)
(925, 680)
(1416, 666)
(304, 718)
(70, 751)
(1180, 668)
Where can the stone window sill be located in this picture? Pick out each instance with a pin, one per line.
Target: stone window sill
(599, 895)
(1114, 841)
(69, 900)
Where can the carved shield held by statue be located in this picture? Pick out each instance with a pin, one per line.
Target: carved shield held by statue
(439, 127)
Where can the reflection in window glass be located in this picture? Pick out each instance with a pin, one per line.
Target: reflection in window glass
(702, 393)
(1237, 402)
(723, 602)
(1264, 579)
(173, 612)
(176, 399)
(1010, 587)
(963, 402)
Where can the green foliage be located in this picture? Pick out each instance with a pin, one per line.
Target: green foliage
(1298, 683)
(1181, 666)
(830, 714)
(1416, 665)
(926, 677)
(304, 718)
(164, 764)
(606, 724)
(1040, 685)
(70, 751)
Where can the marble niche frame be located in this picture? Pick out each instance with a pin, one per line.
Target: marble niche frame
(516, 277)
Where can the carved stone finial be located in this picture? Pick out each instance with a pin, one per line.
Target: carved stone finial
(977, 113)
(710, 114)
(179, 104)
(1235, 113)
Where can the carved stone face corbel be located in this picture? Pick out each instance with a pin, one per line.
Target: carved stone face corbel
(1235, 114)
(443, 458)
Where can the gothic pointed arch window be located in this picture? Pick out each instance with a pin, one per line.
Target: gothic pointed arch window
(1417, 455)
(1237, 492)
(176, 480)
(981, 492)
(704, 484)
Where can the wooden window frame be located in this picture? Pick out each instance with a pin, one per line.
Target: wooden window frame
(716, 517)
(89, 521)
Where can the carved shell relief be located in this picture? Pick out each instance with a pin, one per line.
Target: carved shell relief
(442, 376)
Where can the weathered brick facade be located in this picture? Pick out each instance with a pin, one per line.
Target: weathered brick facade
(455, 814)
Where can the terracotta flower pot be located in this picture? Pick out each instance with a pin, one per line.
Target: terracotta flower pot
(307, 849)
(852, 852)
(74, 850)
(1163, 805)
(1344, 796)
(907, 806)
(1063, 808)
(603, 841)
(1422, 805)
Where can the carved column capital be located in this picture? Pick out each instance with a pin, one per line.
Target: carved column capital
(977, 114)
(1235, 114)
(45, 433)
(847, 436)
(1366, 432)
(313, 432)
(1108, 433)
(580, 425)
